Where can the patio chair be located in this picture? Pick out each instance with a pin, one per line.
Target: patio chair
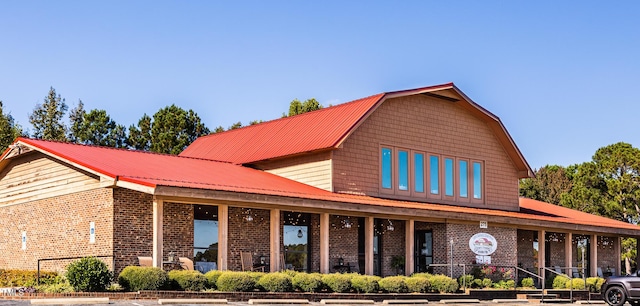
(613, 271)
(599, 272)
(186, 263)
(247, 262)
(575, 273)
(144, 261)
(557, 269)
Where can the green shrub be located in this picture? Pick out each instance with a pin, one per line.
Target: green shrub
(89, 274)
(393, 284)
(134, 278)
(575, 283)
(465, 281)
(307, 282)
(256, 276)
(477, 283)
(594, 283)
(62, 287)
(337, 282)
(443, 284)
(527, 282)
(26, 278)
(212, 278)
(560, 281)
(291, 273)
(365, 283)
(487, 283)
(505, 284)
(422, 274)
(188, 280)
(276, 282)
(418, 284)
(235, 281)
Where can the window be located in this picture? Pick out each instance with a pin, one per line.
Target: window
(297, 245)
(386, 168)
(403, 170)
(205, 233)
(477, 180)
(463, 178)
(434, 174)
(418, 172)
(448, 177)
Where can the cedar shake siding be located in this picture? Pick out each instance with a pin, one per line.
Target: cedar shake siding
(433, 126)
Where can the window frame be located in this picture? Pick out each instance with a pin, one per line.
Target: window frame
(423, 193)
(472, 197)
(396, 179)
(382, 189)
(430, 195)
(444, 178)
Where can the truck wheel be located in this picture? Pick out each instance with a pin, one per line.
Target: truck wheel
(615, 296)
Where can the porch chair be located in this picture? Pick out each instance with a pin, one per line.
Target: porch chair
(144, 261)
(599, 272)
(557, 269)
(186, 263)
(613, 271)
(575, 273)
(247, 262)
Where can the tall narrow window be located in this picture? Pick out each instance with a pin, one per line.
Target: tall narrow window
(205, 237)
(403, 170)
(386, 168)
(464, 191)
(448, 177)
(434, 171)
(418, 172)
(477, 180)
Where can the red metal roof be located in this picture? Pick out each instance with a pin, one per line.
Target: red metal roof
(312, 131)
(152, 170)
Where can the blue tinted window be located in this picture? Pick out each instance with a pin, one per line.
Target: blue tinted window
(386, 168)
(463, 178)
(477, 180)
(418, 172)
(434, 170)
(403, 170)
(448, 177)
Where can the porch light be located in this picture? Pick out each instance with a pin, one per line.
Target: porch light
(390, 226)
(248, 217)
(300, 233)
(347, 223)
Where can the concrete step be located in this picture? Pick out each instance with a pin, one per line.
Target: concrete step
(191, 301)
(590, 302)
(556, 301)
(71, 301)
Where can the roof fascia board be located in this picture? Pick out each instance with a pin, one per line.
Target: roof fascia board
(500, 127)
(187, 195)
(135, 186)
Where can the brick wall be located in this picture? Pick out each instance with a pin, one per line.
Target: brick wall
(393, 244)
(245, 236)
(527, 256)
(606, 253)
(343, 242)
(56, 227)
(178, 229)
(432, 125)
(133, 226)
(461, 233)
(556, 249)
(440, 242)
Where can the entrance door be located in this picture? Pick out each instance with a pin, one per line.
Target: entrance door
(423, 251)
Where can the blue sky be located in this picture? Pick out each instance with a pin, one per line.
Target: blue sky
(561, 75)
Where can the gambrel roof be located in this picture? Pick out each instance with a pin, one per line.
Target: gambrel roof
(327, 129)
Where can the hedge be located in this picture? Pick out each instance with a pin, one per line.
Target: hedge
(27, 278)
(365, 283)
(134, 278)
(89, 274)
(235, 281)
(337, 282)
(307, 282)
(188, 280)
(393, 284)
(275, 282)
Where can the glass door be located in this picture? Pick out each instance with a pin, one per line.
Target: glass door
(423, 251)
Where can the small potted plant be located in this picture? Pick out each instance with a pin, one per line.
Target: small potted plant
(397, 262)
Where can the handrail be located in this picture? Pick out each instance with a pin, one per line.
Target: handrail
(569, 277)
(68, 258)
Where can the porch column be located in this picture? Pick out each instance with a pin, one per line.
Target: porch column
(409, 238)
(593, 251)
(274, 230)
(223, 237)
(616, 249)
(158, 210)
(638, 250)
(542, 253)
(324, 243)
(368, 245)
(568, 253)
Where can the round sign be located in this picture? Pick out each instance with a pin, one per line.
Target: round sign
(483, 244)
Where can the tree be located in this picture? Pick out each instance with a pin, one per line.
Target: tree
(9, 130)
(47, 118)
(296, 107)
(170, 130)
(140, 136)
(550, 183)
(76, 120)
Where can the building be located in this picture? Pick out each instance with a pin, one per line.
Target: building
(422, 176)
